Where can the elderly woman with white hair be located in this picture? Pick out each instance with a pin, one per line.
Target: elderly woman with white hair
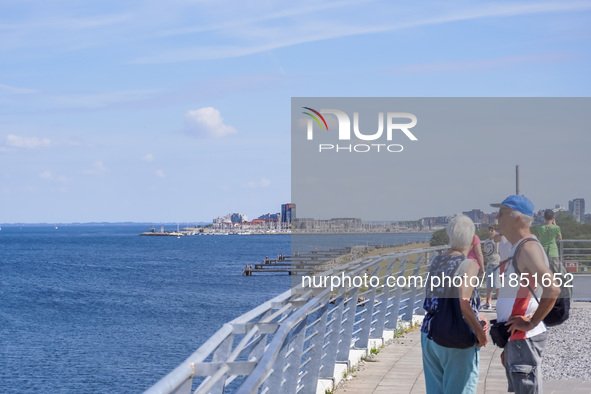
(452, 331)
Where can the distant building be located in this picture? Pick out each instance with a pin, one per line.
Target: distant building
(489, 218)
(476, 215)
(288, 213)
(340, 225)
(270, 216)
(230, 218)
(439, 221)
(576, 208)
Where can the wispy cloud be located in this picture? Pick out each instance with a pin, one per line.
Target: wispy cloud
(260, 184)
(15, 90)
(98, 100)
(159, 173)
(164, 31)
(274, 15)
(70, 100)
(58, 179)
(15, 141)
(148, 157)
(62, 29)
(266, 38)
(98, 168)
(59, 22)
(481, 64)
(207, 122)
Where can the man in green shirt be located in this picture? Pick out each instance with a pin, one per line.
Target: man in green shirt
(549, 233)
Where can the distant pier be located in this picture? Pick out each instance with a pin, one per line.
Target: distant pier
(298, 264)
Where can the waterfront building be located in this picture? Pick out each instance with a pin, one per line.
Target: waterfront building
(489, 218)
(288, 213)
(338, 225)
(576, 208)
(271, 216)
(229, 219)
(435, 222)
(476, 215)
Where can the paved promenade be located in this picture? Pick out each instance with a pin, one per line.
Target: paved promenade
(398, 369)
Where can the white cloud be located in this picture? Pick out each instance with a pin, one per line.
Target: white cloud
(159, 173)
(15, 90)
(46, 175)
(260, 184)
(148, 157)
(98, 168)
(207, 122)
(60, 179)
(15, 141)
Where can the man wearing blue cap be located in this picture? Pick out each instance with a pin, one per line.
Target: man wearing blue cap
(522, 355)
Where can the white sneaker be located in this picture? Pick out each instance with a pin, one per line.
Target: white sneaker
(486, 305)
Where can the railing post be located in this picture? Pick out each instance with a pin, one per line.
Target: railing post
(312, 369)
(258, 351)
(220, 355)
(332, 336)
(293, 359)
(383, 300)
(412, 298)
(273, 382)
(420, 292)
(392, 322)
(367, 315)
(184, 388)
(346, 332)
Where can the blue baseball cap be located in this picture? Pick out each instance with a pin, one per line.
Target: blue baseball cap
(518, 203)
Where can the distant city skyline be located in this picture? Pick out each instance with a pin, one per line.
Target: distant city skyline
(485, 210)
(180, 111)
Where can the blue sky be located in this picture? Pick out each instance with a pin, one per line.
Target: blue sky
(180, 110)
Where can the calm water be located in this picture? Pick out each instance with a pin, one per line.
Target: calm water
(100, 309)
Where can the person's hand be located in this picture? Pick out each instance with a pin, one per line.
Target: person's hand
(503, 358)
(519, 323)
(486, 325)
(481, 338)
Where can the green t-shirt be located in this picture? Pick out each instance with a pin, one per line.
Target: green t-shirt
(547, 237)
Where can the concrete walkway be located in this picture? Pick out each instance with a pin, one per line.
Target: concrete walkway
(398, 369)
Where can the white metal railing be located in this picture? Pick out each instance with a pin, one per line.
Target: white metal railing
(576, 254)
(290, 342)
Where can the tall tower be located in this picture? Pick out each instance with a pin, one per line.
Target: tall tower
(576, 208)
(288, 212)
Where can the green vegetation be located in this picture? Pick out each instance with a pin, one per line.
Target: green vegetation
(400, 331)
(438, 238)
(348, 372)
(571, 229)
(482, 233)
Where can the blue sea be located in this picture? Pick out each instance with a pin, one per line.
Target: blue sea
(87, 309)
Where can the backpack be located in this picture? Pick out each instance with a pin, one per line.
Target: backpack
(561, 310)
(447, 327)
